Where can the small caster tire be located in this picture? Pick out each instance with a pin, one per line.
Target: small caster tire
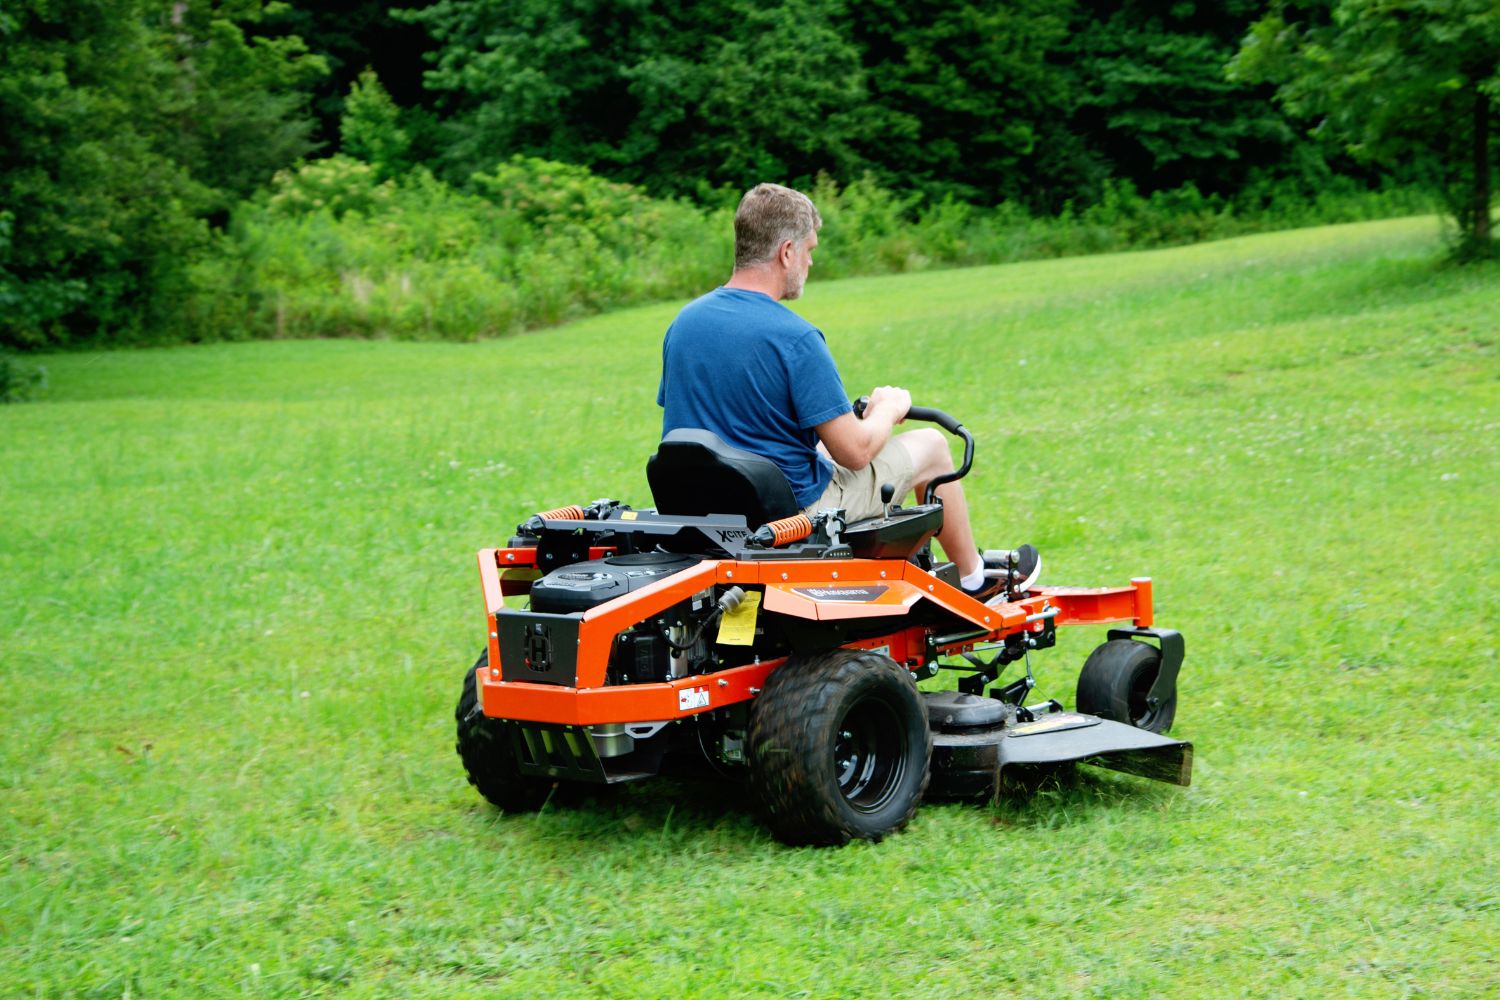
(1115, 681)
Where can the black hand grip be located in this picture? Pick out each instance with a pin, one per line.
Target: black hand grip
(927, 413)
(947, 423)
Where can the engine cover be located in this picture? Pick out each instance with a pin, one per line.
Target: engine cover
(583, 585)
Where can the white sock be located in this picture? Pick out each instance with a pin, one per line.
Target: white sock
(974, 580)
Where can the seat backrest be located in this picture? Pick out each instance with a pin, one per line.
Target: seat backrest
(694, 472)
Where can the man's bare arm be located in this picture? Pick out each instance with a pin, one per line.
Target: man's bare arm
(854, 443)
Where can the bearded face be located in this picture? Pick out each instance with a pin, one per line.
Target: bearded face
(795, 281)
(796, 272)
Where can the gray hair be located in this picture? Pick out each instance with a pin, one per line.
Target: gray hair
(768, 215)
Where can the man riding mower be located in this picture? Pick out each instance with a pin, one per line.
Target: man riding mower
(725, 632)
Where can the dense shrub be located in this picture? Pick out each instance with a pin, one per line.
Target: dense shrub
(332, 250)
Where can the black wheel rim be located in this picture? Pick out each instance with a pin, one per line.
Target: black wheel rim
(867, 755)
(1141, 712)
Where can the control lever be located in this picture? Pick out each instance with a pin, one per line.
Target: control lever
(887, 495)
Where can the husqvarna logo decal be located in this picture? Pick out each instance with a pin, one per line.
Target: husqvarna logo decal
(841, 595)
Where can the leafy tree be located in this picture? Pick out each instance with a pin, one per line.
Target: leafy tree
(94, 216)
(779, 92)
(681, 96)
(371, 127)
(1414, 81)
(353, 36)
(234, 109)
(962, 92)
(335, 184)
(1038, 102)
(1152, 101)
(129, 124)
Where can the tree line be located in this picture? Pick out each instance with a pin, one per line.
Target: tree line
(141, 137)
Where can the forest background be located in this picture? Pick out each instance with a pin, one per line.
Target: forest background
(200, 170)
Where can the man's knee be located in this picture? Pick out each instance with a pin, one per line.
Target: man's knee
(929, 453)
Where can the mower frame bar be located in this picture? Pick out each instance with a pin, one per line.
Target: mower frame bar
(589, 701)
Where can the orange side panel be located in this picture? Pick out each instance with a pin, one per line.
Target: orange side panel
(842, 599)
(828, 571)
(977, 613)
(602, 623)
(629, 703)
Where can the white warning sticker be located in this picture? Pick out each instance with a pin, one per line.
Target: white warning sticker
(691, 698)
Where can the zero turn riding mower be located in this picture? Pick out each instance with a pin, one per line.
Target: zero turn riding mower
(724, 628)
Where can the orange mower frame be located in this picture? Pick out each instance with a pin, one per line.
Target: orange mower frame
(723, 633)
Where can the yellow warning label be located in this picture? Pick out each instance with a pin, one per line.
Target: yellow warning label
(737, 627)
(628, 515)
(1051, 723)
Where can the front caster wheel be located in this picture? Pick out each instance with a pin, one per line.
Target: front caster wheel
(1115, 681)
(839, 748)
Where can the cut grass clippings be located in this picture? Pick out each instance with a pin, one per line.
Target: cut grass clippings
(238, 594)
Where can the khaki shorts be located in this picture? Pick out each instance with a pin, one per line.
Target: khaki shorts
(859, 492)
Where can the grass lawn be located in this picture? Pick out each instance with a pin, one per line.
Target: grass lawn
(238, 594)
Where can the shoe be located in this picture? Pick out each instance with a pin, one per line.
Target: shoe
(1028, 567)
(991, 586)
(1019, 568)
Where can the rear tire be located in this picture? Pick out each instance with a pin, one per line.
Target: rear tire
(1115, 681)
(839, 748)
(484, 746)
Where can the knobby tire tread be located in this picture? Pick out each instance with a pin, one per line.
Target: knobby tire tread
(804, 696)
(484, 747)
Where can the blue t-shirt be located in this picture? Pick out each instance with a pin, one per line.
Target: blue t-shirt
(746, 367)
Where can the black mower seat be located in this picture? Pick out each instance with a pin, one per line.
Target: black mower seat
(695, 473)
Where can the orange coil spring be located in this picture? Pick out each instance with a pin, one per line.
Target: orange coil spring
(790, 529)
(572, 512)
